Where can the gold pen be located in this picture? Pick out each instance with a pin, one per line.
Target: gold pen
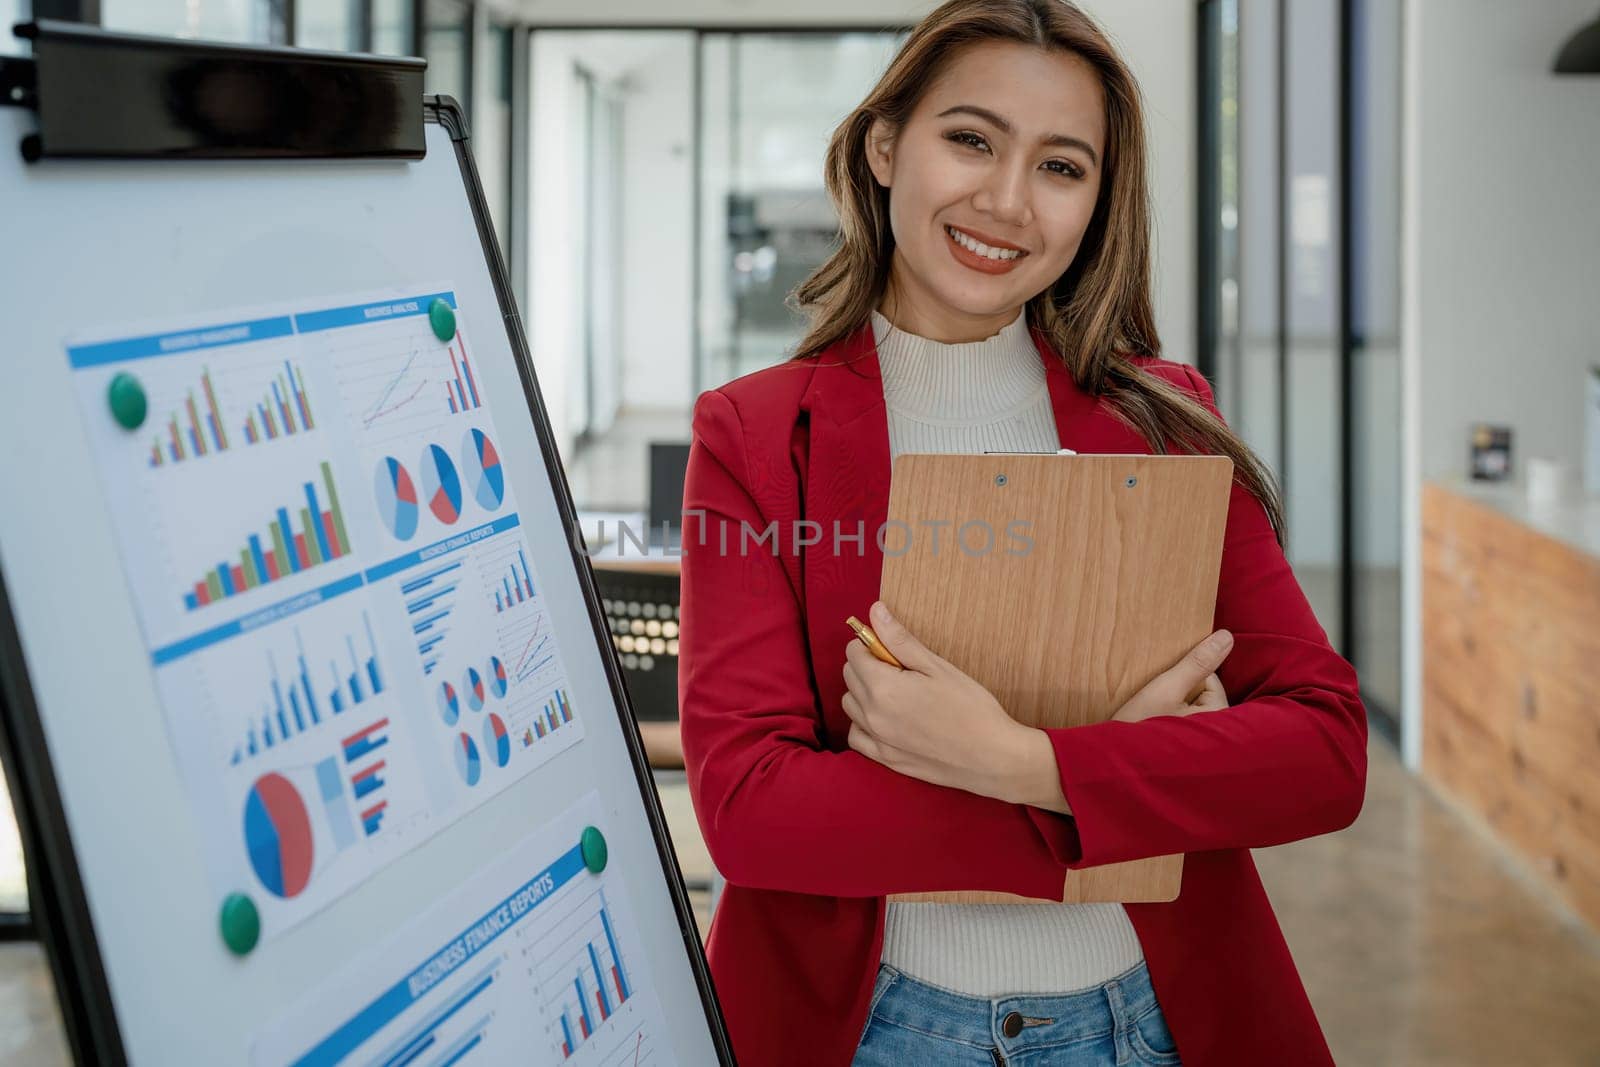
(870, 639)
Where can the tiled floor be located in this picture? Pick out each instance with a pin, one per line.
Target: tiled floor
(1420, 942)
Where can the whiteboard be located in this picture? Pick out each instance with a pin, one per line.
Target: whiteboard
(314, 634)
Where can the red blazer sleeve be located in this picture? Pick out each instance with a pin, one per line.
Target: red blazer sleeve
(778, 808)
(1287, 760)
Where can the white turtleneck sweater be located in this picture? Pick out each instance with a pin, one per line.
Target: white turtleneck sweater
(988, 396)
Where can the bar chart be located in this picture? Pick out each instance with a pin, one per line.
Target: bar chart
(200, 435)
(367, 780)
(284, 410)
(513, 585)
(294, 704)
(585, 978)
(462, 390)
(532, 959)
(555, 713)
(282, 551)
(430, 599)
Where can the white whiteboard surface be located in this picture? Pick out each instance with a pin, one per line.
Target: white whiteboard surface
(89, 251)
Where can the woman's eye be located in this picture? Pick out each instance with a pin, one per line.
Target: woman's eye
(1070, 170)
(969, 139)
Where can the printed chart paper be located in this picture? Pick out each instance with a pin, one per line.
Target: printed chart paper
(342, 608)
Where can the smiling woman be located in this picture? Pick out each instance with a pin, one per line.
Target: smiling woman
(990, 292)
(1006, 188)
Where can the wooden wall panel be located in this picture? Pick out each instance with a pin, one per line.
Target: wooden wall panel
(1511, 685)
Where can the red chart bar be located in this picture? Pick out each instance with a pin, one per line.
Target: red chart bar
(353, 738)
(300, 550)
(600, 1000)
(201, 593)
(374, 769)
(370, 812)
(616, 979)
(336, 548)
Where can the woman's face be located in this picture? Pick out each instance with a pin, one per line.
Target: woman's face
(992, 183)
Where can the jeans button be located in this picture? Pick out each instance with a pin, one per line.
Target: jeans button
(1011, 1025)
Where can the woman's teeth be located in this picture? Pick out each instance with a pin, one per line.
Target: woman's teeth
(972, 244)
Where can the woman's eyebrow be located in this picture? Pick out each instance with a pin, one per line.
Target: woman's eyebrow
(1060, 140)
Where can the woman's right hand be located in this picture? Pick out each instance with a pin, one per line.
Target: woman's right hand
(1189, 686)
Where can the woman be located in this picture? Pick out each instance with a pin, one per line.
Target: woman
(991, 292)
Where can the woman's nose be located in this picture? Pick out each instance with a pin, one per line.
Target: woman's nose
(1004, 195)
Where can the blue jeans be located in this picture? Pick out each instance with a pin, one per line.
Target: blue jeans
(1118, 1024)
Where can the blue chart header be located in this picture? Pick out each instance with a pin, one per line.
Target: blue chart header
(179, 342)
(172, 344)
(440, 548)
(442, 964)
(360, 314)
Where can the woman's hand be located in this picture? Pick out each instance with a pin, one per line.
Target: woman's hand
(1188, 686)
(930, 721)
(934, 722)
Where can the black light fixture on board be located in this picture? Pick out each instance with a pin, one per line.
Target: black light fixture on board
(1581, 53)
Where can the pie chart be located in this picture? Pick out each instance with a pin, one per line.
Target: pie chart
(397, 498)
(496, 741)
(467, 761)
(449, 703)
(441, 485)
(497, 676)
(277, 835)
(484, 473)
(474, 689)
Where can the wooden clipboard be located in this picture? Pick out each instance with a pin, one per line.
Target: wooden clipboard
(1115, 581)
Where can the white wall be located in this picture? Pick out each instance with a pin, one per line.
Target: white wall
(1502, 248)
(1507, 196)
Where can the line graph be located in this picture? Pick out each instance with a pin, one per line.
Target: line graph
(387, 375)
(382, 405)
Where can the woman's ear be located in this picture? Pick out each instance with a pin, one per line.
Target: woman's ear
(880, 151)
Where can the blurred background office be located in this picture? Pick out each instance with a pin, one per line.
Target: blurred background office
(1377, 229)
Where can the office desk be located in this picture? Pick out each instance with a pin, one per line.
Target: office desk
(1511, 672)
(627, 572)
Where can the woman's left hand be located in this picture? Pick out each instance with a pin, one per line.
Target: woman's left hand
(930, 721)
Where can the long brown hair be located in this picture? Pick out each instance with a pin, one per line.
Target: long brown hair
(1097, 314)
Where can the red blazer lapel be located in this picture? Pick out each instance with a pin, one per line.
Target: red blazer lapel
(844, 436)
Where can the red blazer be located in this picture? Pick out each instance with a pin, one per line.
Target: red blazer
(811, 835)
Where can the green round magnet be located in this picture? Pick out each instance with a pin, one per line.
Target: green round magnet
(128, 403)
(241, 924)
(442, 318)
(594, 849)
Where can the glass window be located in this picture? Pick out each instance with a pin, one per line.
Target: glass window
(334, 25)
(766, 221)
(241, 21)
(1375, 351)
(391, 28)
(447, 45)
(492, 134)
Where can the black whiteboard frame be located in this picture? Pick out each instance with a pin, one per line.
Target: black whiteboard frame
(55, 883)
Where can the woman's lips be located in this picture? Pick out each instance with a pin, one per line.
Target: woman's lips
(983, 264)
